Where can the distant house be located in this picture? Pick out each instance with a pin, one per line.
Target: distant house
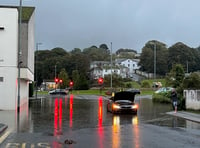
(132, 65)
(9, 17)
(122, 67)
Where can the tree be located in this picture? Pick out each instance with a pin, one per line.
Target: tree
(192, 81)
(64, 77)
(179, 53)
(103, 46)
(176, 76)
(147, 57)
(76, 51)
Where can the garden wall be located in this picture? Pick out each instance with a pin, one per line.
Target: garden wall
(192, 99)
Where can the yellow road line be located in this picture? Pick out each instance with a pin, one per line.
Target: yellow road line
(4, 136)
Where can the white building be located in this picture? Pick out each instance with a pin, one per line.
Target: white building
(132, 65)
(9, 56)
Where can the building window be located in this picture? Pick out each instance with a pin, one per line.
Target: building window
(1, 79)
(128, 65)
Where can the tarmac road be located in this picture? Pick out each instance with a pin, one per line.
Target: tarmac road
(82, 121)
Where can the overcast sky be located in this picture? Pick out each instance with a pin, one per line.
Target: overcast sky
(129, 24)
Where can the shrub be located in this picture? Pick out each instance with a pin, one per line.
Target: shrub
(128, 85)
(146, 84)
(161, 98)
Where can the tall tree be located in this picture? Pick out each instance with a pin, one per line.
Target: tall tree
(65, 79)
(147, 58)
(180, 53)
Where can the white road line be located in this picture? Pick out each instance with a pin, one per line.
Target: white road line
(4, 136)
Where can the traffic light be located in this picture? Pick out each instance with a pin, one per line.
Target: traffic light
(56, 80)
(60, 80)
(100, 80)
(71, 83)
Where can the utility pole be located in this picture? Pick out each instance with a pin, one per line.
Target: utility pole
(36, 74)
(19, 54)
(111, 65)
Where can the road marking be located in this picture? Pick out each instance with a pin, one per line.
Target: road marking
(4, 136)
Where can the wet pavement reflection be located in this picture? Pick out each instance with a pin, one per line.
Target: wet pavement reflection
(64, 113)
(58, 119)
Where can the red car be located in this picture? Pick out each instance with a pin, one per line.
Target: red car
(123, 102)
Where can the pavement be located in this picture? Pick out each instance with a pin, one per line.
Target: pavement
(3, 127)
(186, 115)
(182, 114)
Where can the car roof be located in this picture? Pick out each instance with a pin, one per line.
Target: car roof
(126, 95)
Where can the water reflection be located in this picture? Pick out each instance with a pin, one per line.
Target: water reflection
(136, 132)
(100, 111)
(62, 114)
(57, 116)
(100, 119)
(116, 132)
(71, 111)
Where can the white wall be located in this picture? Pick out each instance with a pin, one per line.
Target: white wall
(8, 58)
(192, 99)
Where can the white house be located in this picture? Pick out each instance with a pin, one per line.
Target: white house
(132, 65)
(9, 56)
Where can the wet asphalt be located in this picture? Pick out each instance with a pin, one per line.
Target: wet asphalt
(83, 121)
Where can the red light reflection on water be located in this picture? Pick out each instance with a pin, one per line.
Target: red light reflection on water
(71, 110)
(100, 113)
(57, 116)
(100, 119)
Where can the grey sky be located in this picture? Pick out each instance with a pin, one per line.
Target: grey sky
(126, 23)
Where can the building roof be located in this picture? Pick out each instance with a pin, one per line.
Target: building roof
(27, 12)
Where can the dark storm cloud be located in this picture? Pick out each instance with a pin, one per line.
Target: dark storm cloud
(126, 23)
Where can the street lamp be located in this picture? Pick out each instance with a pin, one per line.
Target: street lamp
(36, 74)
(154, 58)
(19, 53)
(111, 65)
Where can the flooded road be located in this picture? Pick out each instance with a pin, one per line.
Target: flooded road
(64, 113)
(62, 121)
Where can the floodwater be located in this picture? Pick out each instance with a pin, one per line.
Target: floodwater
(56, 114)
(83, 121)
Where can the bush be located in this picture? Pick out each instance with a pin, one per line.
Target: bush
(161, 98)
(128, 85)
(146, 84)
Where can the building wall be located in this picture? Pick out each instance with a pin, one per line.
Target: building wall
(8, 57)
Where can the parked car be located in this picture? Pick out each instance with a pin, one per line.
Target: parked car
(163, 90)
(123, 102)
(58, 91)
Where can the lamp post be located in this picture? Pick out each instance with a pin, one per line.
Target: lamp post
(154, 60)
(111, 65)
(19, 53)
(36, 74)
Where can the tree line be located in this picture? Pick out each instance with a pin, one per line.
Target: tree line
(178, 53)
(75, 65)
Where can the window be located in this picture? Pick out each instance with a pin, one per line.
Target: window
(1, 79)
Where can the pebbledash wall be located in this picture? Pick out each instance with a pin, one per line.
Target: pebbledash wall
(9, 56)
(192, 99)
